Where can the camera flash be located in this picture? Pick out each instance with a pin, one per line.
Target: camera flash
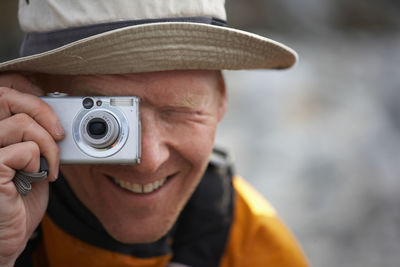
(121, 101)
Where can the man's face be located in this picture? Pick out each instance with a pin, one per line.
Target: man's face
(179, 112)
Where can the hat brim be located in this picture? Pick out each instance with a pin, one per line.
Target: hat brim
(160, 47)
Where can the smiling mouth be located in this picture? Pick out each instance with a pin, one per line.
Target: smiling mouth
(140, 188)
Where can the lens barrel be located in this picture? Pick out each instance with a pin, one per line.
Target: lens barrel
(100, 129)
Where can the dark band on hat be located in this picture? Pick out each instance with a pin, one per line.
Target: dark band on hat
(38, 42)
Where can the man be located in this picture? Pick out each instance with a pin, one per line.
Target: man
(176, 206)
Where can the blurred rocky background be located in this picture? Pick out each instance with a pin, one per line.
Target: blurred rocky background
(322, 140)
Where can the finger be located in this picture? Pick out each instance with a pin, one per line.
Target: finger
(19, 82)
(13, 102)
(21, 127)
(21, 156)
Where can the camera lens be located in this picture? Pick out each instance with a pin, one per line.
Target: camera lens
(87, 103)
(97, 128)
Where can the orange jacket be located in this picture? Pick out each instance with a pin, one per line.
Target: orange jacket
(257, 236)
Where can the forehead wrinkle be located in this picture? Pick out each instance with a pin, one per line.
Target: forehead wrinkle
(104, 84)
(189, 99)
(171, 93)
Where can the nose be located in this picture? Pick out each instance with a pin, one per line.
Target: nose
(155, 149)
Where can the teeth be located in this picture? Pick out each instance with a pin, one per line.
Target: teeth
(138, 188)
(147, 188)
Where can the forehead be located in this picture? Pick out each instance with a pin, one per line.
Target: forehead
(174, 86)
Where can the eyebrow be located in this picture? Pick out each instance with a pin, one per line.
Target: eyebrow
(185, 103)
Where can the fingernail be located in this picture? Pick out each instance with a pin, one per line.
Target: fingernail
(55, 177)
(59, 131)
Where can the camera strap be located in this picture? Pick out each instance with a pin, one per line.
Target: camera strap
(22, 179)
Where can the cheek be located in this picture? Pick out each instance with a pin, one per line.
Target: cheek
(78, 178)
(195, 143)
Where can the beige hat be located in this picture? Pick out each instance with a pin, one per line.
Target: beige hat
(127, 36)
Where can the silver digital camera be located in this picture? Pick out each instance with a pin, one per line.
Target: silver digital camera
(98, 129)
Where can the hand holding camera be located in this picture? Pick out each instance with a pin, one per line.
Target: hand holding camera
(97, 130)
(29, 128)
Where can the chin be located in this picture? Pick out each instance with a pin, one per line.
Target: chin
(141, 238)
(138, 234)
